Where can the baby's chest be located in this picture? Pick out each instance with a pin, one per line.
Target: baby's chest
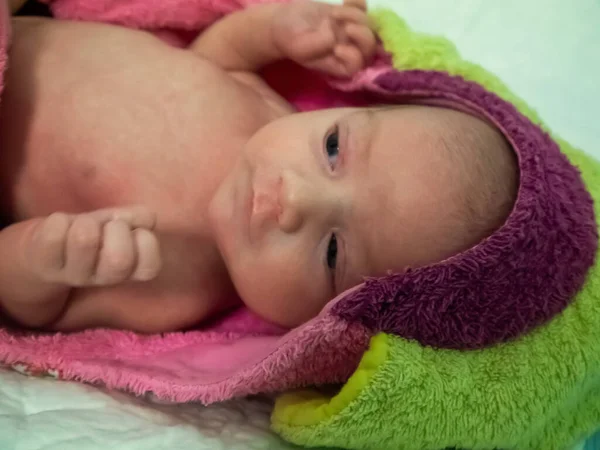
(164, 133)
(117, 140)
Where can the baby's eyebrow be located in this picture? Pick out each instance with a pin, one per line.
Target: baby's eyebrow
(363, 127)
(369, 126)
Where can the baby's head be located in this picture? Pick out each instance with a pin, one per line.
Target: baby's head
(320, 200)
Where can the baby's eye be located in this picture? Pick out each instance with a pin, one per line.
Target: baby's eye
(332, 252)
(332, 147)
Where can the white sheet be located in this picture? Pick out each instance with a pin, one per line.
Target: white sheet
(548, 55)
(45, 414)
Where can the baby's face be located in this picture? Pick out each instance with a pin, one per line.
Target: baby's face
(320, 200)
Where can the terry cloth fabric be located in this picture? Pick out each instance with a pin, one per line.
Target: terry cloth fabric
(4, 40)
(520, 293)
(541, 391)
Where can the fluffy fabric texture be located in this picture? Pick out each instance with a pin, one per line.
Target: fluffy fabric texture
(4, 36)
(522, 275)
(527, 271)
(177, 15)
(541, 391)
(552, 229)
(236, 357)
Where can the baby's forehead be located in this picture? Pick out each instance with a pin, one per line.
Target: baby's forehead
(423, 162)
(428, 132)
(425, 119)
(406, 176)
(421, 148)
(412, 132)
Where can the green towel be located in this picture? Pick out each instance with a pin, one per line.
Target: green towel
(541, 391)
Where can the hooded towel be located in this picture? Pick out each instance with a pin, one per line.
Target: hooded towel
(495, 347)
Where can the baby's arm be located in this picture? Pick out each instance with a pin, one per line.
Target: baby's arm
(24, 296)
(242, 40)
(43, 259)
(333, 39)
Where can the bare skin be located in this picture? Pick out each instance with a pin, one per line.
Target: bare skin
(244, 200)
(96, 118)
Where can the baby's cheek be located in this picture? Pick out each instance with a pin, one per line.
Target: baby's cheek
(280, 294)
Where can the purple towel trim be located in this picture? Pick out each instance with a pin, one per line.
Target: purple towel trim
(518, 278)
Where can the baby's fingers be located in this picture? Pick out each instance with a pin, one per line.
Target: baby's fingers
(364, 39)
(350, 57)
(117, 258)
(313, 45)
(148, 255)
(360, 4)
(46, 250)
(82, 247)
(349, 14)
(331, 66)
(134, 216)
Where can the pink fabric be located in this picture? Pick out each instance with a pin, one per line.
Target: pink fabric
(235, 356)
(179, 15)
(4, 40)
(206, 366)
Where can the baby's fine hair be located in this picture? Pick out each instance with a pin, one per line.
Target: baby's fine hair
(488, 176)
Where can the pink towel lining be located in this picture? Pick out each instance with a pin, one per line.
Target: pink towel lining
(4, 39)
(178, 15)
(205, 366)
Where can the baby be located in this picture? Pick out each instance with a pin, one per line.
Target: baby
(243, 199)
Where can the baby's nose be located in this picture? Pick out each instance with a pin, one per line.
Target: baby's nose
(286, 199)
(266, 203)
(300, 202)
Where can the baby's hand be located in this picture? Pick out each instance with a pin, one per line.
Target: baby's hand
(99, 248)
(336, 40)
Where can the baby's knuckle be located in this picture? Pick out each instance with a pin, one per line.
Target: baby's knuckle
(86, 241)
(58, 218)
(85, 233)
(54, 228)
(78, 279)
(148, 272)
(119, 263)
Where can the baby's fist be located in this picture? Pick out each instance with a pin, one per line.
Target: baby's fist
(336, 40)
(99, 248)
